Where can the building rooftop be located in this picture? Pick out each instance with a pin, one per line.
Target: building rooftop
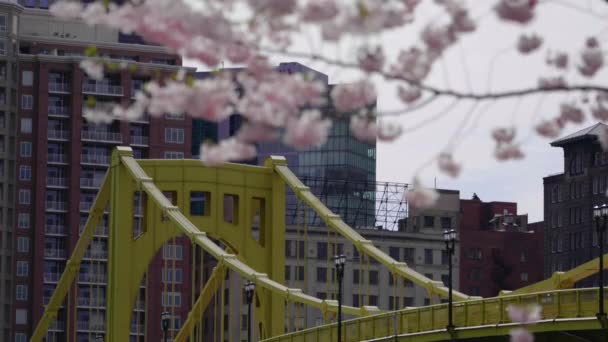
(587, 133)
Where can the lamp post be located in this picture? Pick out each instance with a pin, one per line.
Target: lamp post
(600, 214)
(164, 318)
(449, 236)
(249, 289)
(339, 261)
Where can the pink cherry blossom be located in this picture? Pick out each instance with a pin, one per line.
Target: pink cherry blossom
(503, 135)
(438, 38)
(419, 197)
(592, 58)
(227, 150)
(521, 11)
(412, 65)
(97, 115)
(371, 59)
(448, 166)
(92, 68)
(521, 335)
(309, 130)
(529, 43)
(388, 131)
(353, 96)
(548, 128)
(524, 315)
(551, 82)
(570, 112)
(508, 152)
(409, 94)
(257, 133)
(364, 129)
(319, 10)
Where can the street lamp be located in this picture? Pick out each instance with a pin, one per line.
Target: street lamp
(339, 261)
(449, 236)
(600, 214)
(249, 289)
(165, 317)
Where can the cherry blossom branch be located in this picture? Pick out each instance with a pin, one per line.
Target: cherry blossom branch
(445, 92)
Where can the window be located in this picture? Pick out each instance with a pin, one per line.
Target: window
(21, 292)
(372, 300)
(174, 155)
(25, 149)
(174, 135)
(475, 274)
(24, 196)
(20, 337)
(429, 221)
(27, 101)
(23, 244)
(287, 272)
(173, 116)
(474, 253)
(3, 23)
(408, 301)
(2, 47)
(23, 268)
(25, 172)
(394, 252)
(26, 125)
(523, 257)
(356, 300)
(321, 274)
(408, 283)
(429, 275)
(300, 273)
(355, 276)
(24, 220)
(373, 277)
(321, 250)
(408, 255)
(27, 78)
(172, 252)
(445, 279)
(428, 256)
(446, 222)
(172, 275)
(172, 299)
(199, 203)
(445, 257)
(21, 316)
(524, 276)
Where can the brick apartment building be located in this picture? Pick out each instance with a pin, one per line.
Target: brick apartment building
(56, 162)
(569, 197)
(500, 250)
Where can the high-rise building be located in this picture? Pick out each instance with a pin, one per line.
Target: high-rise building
(499, 249)
(569, 197)
(342, 172)
(53, 162)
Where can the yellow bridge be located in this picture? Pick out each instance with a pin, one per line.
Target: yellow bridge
(238, 219)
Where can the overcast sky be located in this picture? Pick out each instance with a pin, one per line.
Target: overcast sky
(564, 25)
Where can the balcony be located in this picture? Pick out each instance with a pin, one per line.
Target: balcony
(137, 328)
(56, 205)
(98, 255)
(51, 277)
(54, 134)
(92, 278)
(59, 87)
(55, 229)
(91, 301)
(101, 136)
(102, 230)
(55, 253)
(143, 119)
(57, 158)
(56, 182)
(97, 159)
(140, 305)
(91, 326)
(85, 206)
(139, 140)
(60, 111)
(102, 89)
(91, 182)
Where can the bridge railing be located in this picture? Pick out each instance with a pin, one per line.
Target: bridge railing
(472, 313)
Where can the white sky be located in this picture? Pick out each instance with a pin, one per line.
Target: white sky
(563, 27)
